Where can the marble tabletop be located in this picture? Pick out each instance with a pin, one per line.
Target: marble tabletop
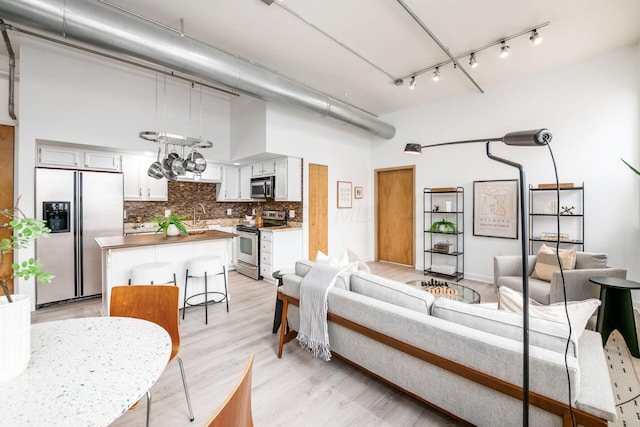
(85, 372)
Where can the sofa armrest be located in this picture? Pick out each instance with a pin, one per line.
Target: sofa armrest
(577, 283)
(511, 265)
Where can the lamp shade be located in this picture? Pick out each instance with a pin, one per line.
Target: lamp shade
(413, 148)
(528, 137)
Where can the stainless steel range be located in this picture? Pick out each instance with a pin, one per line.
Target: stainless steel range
(248, 247)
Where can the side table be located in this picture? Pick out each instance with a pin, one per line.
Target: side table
(616, 310)
(277, 316)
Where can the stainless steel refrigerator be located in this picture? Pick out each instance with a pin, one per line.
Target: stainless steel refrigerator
(78, 206)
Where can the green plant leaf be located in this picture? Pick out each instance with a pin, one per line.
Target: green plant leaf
(630, 167)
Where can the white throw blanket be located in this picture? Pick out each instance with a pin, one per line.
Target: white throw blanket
(314, 287)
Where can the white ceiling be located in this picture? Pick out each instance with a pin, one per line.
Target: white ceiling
(385, 34)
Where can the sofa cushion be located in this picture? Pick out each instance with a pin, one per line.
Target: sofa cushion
(590, 260)
(579, 311)
(391, 291)
(539, 290)
(547, 262)
(301, 269)
(542, 333)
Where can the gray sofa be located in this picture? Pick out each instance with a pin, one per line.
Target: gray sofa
(463, 359)
(507, 271)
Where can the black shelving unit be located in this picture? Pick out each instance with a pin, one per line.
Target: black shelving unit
(542, 216)
(445, 260)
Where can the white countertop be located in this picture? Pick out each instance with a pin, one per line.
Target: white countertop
(85, 372)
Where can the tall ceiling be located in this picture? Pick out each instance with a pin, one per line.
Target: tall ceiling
(282, 37)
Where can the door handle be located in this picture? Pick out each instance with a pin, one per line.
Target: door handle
(5, 225)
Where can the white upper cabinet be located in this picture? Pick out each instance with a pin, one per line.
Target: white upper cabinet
(229, 188)
(288, 172)
(267, 168)
(102, 160)
(245, 183)
(78, 158)
(58, 157)
(137, 184)
(212, 173)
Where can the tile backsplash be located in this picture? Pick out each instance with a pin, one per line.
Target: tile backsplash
(185, 196)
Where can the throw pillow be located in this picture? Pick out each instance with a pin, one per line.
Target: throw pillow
(547, 262)
(342, 262)
(579, 311)
(362, 265)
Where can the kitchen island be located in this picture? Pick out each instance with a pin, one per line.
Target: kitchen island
(121, 253)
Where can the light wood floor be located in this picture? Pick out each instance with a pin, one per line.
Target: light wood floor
(296, 390)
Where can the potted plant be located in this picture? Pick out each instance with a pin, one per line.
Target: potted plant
(631, 167)
(171, 225)
(443, 226)
(15, 310)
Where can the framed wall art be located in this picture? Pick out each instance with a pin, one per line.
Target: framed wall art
(344, 195)
(357, 192)
(495, 208)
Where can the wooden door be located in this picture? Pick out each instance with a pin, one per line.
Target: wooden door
(6, 195)
(318, 209)
(395, 207)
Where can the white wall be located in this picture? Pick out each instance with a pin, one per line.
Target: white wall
(346, 152)
(592, 109)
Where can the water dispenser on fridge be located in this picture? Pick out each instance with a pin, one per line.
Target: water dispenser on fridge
(56, 216)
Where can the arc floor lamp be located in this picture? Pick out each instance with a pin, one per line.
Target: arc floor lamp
(527, 138)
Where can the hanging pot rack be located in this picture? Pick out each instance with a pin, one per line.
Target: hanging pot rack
(173, 139)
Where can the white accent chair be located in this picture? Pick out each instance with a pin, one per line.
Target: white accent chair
(507, 271)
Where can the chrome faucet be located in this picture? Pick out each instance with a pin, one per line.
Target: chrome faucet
(195, 209)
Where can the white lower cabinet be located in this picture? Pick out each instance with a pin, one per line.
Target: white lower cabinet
(279, 249)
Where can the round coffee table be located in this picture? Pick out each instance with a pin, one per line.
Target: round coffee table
(450, 290)
(616, 310)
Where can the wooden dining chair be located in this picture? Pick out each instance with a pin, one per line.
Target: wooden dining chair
(157, 304)
(236, 410)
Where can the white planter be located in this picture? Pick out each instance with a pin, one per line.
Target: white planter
(172, 230)
(15, 336)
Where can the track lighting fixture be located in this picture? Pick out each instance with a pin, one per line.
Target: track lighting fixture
(412, 83)
(532, 32)
(504, 50)
(473, 62)
(535, 37)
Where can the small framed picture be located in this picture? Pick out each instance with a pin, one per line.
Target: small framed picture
(357, 192)
(344, 195)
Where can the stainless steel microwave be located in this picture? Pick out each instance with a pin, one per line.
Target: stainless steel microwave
(261, 188)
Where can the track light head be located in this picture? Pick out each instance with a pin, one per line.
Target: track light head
(412, 83)
(504, 50)
(535, 38)
(436, 74)
(473, 62)
(413, 148)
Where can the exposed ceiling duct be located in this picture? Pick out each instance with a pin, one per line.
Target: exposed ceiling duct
(116, 31)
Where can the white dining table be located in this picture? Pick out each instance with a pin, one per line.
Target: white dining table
(85, 372)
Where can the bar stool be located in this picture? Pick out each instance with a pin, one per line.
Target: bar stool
(159, 273)
(205, 266)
